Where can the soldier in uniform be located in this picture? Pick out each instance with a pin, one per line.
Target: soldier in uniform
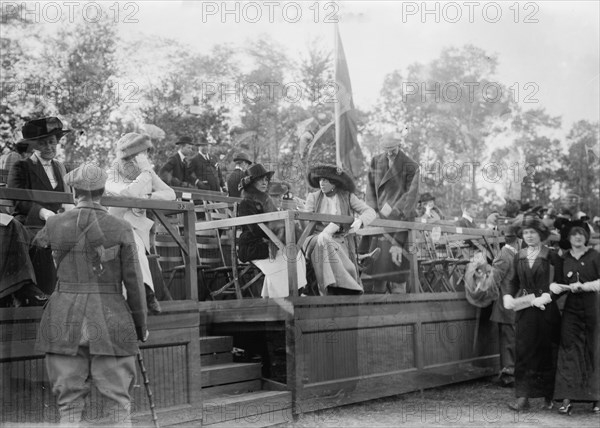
(205, 172)
(242, 162)
(88, 331)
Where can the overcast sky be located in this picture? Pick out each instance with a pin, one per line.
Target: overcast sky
(558, 56)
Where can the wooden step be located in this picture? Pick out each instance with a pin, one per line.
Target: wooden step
(215, 344)
(231, 389)
(255, 409)
(212, 359)
(221, 374)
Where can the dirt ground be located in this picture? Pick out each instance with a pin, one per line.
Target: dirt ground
(469, 404)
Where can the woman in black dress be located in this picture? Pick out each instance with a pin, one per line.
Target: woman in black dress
(537, 326)
(578, 367)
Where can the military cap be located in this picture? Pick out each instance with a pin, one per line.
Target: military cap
(86, 177)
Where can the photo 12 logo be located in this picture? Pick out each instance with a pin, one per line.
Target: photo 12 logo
(70, 11)
(469, 11)
(253, 12)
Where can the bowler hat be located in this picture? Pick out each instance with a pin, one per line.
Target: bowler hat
(536, 224)
(131, 144)
(332, 173)
(241, 156)
(426, 197)
(277, 188)
(45, 127)
(86, 177)
(185, 140)
(511, 231)
(253, 173)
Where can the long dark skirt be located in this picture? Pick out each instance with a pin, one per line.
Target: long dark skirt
(537, 338)
(578, 371)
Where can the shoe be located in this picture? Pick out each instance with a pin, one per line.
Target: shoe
(521, 404)
(595, 407)
(565, 408)
(153, 305)
(366, 260)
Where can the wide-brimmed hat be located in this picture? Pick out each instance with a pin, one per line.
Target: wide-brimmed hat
(45, 127)
(131, 144)
(277, 188)
(241, 156)
(536, 224)
(426, 197)
(253, 173)
(570, 226)
(86, 177)
(332, 173)
(185, 140)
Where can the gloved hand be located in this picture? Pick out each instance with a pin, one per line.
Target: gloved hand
(576, 287)
(396, 253)
(45, 214)
(355, 225)
(555, 288)
(539, 302)
(142, 335)
(508, 301)
(591, 286)
(328, 232)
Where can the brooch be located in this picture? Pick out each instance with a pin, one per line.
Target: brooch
(569, 275)
(338, 171)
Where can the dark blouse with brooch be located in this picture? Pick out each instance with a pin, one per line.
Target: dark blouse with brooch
(537, 331)
(578, 367)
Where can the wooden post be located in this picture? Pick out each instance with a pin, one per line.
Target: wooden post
(291, 254)
(191, 261)
(413, 280)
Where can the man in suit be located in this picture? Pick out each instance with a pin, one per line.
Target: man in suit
(469, 209)
(88, 331)
(242, 162)
(205, 172)
(175, 171)
(40, 172)
(499, 276)
(393, 192)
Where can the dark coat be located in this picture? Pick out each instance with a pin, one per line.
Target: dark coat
(398, 186)
(254, 242)
(30, 174)
(114, 324)
(205, 174)
(466, 223)
(537, 331)
(501, 276)
(174, 172)
(233, 182)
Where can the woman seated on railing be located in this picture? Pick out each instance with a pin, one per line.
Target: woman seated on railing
(332, 252)
(254, 244)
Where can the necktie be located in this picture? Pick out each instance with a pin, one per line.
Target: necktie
(50, 173)
(391, 161)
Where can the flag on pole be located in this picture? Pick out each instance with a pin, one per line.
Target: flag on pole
(348, 153)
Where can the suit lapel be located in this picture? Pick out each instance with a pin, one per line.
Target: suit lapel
(38, 170)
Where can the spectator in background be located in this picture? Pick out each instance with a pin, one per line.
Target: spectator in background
(596, 224)
(7, 160)
(242, 162)
(276, 191)
(491, 222)
(430, 211)
(205, 172)
(176, 170)
(469, 212)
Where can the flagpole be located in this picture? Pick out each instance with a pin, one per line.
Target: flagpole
(338, 155)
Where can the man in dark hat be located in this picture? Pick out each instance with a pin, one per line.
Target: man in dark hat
(205, 172)
(242, 162)
(40, 172)
(276, 191)
(499, 275)
(393, 192)
(175, 171)
(88, 330)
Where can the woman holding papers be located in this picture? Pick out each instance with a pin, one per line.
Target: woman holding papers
(578, 367)
(538, 319)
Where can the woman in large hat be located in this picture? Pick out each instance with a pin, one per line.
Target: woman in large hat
(132, 175)
(331, 250)
(254, 244)
(578, 367)
(430, 211)
(538, 323)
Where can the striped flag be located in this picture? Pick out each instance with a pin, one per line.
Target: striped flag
(348, 153)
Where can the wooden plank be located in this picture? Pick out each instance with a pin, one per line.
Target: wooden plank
(290, 251)
(210, 392)
(221, 374)
(191, 257)
(266, 419)
(215, 344)
(240, 221)
(248, 407)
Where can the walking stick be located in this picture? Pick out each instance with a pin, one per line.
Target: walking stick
(148, 391)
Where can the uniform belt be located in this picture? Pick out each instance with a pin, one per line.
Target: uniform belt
(83, 288)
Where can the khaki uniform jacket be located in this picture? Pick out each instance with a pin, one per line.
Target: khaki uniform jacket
(502, 273)
(88, 307)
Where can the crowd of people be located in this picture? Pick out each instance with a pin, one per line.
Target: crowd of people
(80, 256)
